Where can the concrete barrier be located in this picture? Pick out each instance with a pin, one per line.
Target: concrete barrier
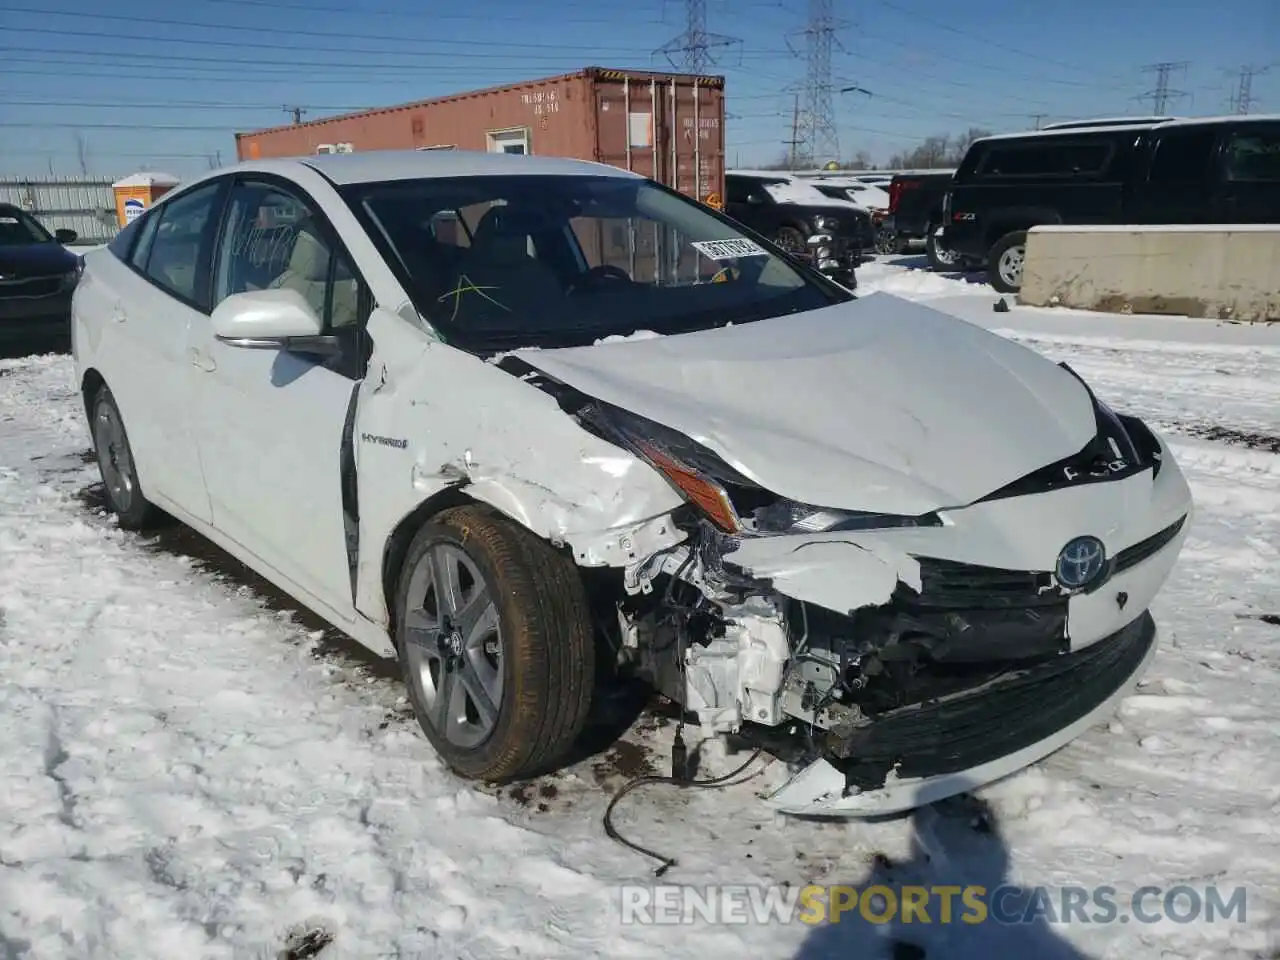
(1218, 271)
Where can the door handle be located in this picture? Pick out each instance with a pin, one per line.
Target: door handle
(202, 360)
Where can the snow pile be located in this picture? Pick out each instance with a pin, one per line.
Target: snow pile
(190, 772)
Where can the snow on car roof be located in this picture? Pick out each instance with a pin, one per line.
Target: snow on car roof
(382, 165)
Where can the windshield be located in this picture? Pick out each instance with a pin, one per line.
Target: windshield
(18, 229)
(511, 261)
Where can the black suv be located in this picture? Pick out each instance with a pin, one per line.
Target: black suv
(805, 214)
(1213, 170)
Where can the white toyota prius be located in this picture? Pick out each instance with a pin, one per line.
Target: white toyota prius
(530, 424)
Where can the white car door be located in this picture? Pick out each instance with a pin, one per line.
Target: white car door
(270, 421)
(150, 301)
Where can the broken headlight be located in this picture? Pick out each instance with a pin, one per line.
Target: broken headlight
(735, 503)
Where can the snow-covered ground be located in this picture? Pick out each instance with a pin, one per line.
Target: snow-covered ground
(190, 768)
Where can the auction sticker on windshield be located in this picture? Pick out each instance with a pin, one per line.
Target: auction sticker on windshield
(728, 249)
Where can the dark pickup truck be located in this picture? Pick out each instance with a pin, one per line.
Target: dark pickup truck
(1150, 171)
(915, 210)
(833, 234)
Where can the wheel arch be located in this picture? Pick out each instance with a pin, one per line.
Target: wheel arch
(396, 546)
(1013, 220)
(90, 384)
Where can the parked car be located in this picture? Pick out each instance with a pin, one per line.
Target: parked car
(795, 215)
(915, 210)
(868, 196)
(1209, 170)
(909, 555)
(37, 277)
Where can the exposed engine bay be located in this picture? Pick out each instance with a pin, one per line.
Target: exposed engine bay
(914, 665)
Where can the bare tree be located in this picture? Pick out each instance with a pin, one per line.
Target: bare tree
(964, 141)
(82, 154)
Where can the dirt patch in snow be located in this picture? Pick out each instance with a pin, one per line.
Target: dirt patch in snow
(1232, 437)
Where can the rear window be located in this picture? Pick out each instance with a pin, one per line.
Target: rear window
(1046, 158)
(1254, 156)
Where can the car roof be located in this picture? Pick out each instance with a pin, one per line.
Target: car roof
(1115, 126)
(379, 166)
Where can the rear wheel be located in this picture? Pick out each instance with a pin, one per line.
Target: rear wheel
(940, 258)
(496, 644)
(1005, 262)
(116, 465)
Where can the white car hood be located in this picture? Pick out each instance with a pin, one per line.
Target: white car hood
(879, 404)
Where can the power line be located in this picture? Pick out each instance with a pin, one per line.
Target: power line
(320, 34)
(695, 44)
(364, 11)
(1161, 94)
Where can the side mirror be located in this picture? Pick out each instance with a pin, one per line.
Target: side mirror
(65, 236)
(272, 320)
(755, 199)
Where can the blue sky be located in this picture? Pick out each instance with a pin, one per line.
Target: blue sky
(164, 85)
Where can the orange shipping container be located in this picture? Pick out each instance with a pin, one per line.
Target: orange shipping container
(669, 127)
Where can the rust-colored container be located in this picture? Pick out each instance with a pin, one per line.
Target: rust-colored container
(666, 126)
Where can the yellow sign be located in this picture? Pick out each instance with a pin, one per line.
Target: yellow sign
(713, 200)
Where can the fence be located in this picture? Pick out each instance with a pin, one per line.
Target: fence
(86, 206)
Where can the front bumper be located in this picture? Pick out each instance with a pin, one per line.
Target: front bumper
(959, 744)
(1018, 667)
(27, 318)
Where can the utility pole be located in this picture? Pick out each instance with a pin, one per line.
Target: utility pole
(296, 111)
(1038, 118)
(695, 44)
(818, 131)
(1160, 95)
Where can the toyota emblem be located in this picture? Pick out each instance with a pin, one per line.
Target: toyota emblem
(1081, 562)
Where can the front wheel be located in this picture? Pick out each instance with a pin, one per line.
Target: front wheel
(791, 240)
(495, 639)
(1006, 260)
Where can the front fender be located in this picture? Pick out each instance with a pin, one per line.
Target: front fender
(431, 417)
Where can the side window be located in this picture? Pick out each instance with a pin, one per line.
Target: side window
(1182, 156)
(142, 249)
(1254, 156)
(275, 241)
(173, 254)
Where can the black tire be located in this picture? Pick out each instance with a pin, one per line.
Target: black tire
(941, 260)
(122, 489)
(887, 242)
(544, 635)
(791, 239)
(1012, 241)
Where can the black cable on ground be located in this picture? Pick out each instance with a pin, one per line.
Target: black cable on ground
(665, 863)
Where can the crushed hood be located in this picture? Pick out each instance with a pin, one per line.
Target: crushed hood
(878, 404)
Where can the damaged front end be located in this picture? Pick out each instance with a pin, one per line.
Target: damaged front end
(860, 647)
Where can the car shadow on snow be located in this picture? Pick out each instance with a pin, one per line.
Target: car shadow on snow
(954, 844)
(615, 710)
(977, 276)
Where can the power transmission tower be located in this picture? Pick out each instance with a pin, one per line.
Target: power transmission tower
(296, 111)
(694, 46)
(794, 143)
(1161, 94)
(1243, 97)
(817, 129)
